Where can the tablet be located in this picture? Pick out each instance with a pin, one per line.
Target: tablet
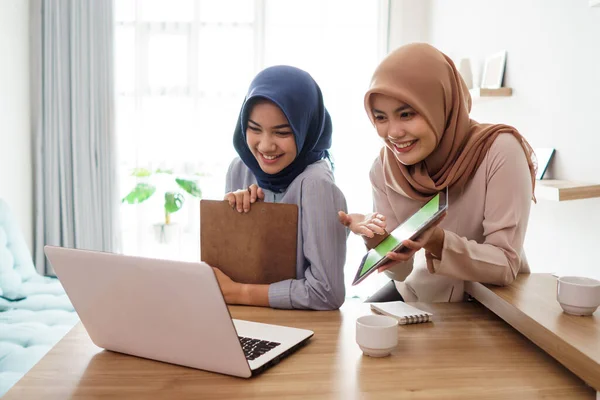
(414, 226)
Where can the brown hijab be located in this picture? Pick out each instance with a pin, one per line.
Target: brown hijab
(427, 80)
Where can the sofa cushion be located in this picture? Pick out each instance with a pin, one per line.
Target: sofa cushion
(45, 317)
(42, 285)
(35, 312)
(39, 302)
(16, 265)
(7, 380)
(10, 280)
(25, 337)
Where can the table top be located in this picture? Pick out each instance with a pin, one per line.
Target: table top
(467, 352)
(529, 304)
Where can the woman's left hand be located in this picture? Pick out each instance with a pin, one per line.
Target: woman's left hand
(432, 240)
(229, 288)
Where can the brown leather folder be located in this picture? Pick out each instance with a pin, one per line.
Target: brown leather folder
(255, 247)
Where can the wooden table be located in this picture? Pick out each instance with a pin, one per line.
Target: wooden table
(467, 353)
(529, 305)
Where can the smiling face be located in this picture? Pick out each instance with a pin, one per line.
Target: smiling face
(404, 131)
(270, 137)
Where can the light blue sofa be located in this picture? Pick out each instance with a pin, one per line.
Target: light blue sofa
(35, 312)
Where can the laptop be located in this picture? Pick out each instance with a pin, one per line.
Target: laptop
(170, 311)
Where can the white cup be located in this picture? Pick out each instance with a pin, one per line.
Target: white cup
(377, 335)
(578, 295)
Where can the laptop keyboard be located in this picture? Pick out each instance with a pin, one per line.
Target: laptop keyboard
(254, 348)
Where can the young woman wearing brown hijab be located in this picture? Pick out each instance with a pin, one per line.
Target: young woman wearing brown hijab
(420, 105)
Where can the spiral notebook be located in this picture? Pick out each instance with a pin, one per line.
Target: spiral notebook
(404, 313)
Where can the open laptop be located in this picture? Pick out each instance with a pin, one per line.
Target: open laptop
(169, 311)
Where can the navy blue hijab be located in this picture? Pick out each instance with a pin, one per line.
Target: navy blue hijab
(299, 97)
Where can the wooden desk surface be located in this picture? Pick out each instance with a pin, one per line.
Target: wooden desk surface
(466, 353)
(529, 305)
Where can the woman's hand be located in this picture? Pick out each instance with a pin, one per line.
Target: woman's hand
(365, 225)
(231, 290)
(241, 199)
(240, 293)
(431, 240)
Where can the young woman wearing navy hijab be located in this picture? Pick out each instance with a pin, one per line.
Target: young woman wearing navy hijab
(282, 137)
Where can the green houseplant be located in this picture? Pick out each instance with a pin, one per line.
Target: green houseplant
(174, 198)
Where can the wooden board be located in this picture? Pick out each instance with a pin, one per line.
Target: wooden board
(529, 305)
(467, 352)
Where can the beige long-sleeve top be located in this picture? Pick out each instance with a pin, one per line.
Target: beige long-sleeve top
(484, 228)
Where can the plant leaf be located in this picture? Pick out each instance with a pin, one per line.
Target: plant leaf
(141, 172)
(164, 171)
(140, 193)
(173, 202)
(189, 186)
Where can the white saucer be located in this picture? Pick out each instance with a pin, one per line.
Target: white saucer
(377, 352)
(575, 310)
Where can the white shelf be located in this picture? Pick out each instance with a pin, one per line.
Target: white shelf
(557, 190)
(500, 92)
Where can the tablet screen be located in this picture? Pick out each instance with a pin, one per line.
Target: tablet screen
(406, 230)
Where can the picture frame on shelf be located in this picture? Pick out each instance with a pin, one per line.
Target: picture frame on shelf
(544, 156)
(493, 71)
(466, 72)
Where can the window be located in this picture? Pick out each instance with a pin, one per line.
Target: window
(182, 70)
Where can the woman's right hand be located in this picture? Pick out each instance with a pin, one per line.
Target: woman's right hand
(364, 225)
(241, 199)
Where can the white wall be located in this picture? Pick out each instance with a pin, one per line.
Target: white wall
(15, 134)
(553, 66)
(409, 21)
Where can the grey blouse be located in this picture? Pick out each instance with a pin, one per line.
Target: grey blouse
(321, 248)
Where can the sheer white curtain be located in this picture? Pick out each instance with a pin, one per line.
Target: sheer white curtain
(182, 70)
(72, 117)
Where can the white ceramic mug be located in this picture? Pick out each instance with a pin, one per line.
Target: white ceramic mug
(377, 335)
(578, 295)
